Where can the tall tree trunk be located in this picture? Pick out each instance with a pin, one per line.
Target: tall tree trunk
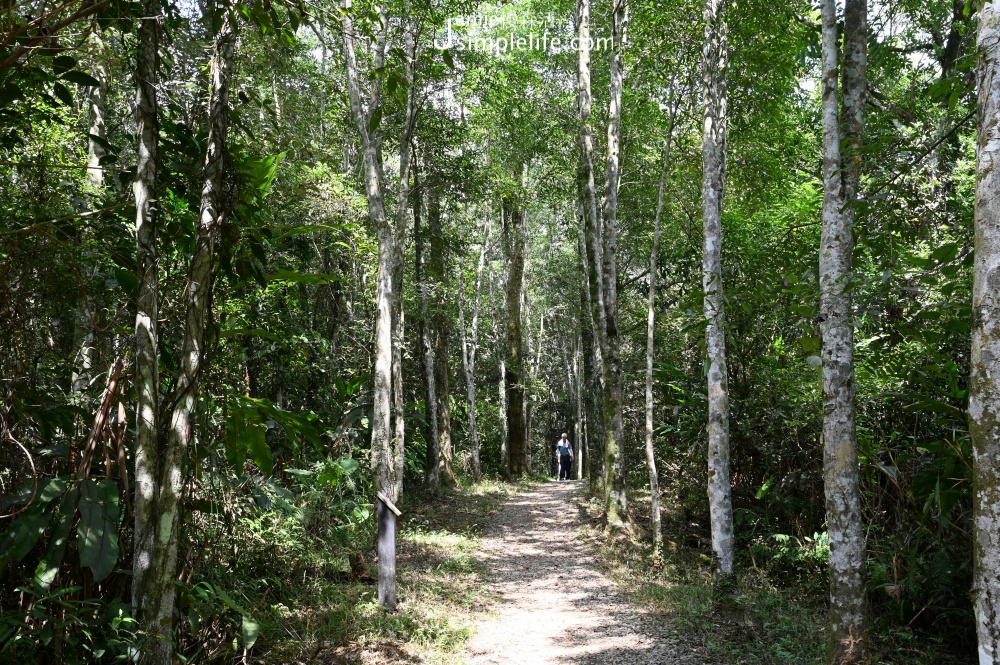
(97, 108)
(152, 578)
(591, 386)
(534, 360)
(654, 482)
(615, 498)
(502, 367)
(840, 456)
(382, 461)
(199, 298)
(398, 267)
(984, 377)
(470, 345)
(427, 344)
(593, 246)
(513, 229)
(715, 62)
(580, 429)
(442, 333)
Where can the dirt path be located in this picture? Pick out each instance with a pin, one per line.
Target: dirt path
(556, 606)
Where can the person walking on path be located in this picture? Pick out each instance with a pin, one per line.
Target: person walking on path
(564, 455)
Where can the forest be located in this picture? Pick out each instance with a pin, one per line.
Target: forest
(296, 294)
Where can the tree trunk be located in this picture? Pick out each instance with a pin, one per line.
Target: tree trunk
(470, 345)
(533, 362)
(398, 266)
(984, 377)
(199, 298)
(427, 344)
(97, 108)
(654, 482)
(513, 229)
(152, 578)
(382, 461)
(581, 411)
(441, 322)
(840, 456)
(590, 388)
(593, 246)
(715, 62)
(502, 366)
(615, 498)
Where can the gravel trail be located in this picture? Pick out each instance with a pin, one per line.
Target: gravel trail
(556, 606)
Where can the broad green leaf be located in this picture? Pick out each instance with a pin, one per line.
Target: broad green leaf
(81, 78)
(249, 632)
(9, 93)
(63, 63)
(97, 532)
(375, 120)
(21, 536)
(47, 568)
(104, 143)
(62, 93)
(126, 279)
(259, 451)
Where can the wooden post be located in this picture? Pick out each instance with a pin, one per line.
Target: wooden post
(387, 513)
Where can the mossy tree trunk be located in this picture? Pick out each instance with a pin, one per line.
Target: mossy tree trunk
(984, 377)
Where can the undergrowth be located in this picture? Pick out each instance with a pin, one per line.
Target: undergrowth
(440, 592)
(780, 614)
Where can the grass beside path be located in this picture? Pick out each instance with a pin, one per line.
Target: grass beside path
(439, 587)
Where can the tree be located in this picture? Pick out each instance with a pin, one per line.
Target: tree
(382, 460)
(615, 496)
(840, 456)
(470, 344)
(654, 483)
(513, 240)
(152, 574)
(984, 377)
(715, 60)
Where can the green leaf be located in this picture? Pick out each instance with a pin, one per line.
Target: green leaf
(765, 489)
(448, 60)
(259, 451)
(47, 568)
(81, 78)
(22, 535)
(376, 119)
(127, 280)
(348, 464)
(63, 63)
(62, 93)
(104, 143)
(249, 632)
(245, 435)
(9, 93)
(97, 532)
